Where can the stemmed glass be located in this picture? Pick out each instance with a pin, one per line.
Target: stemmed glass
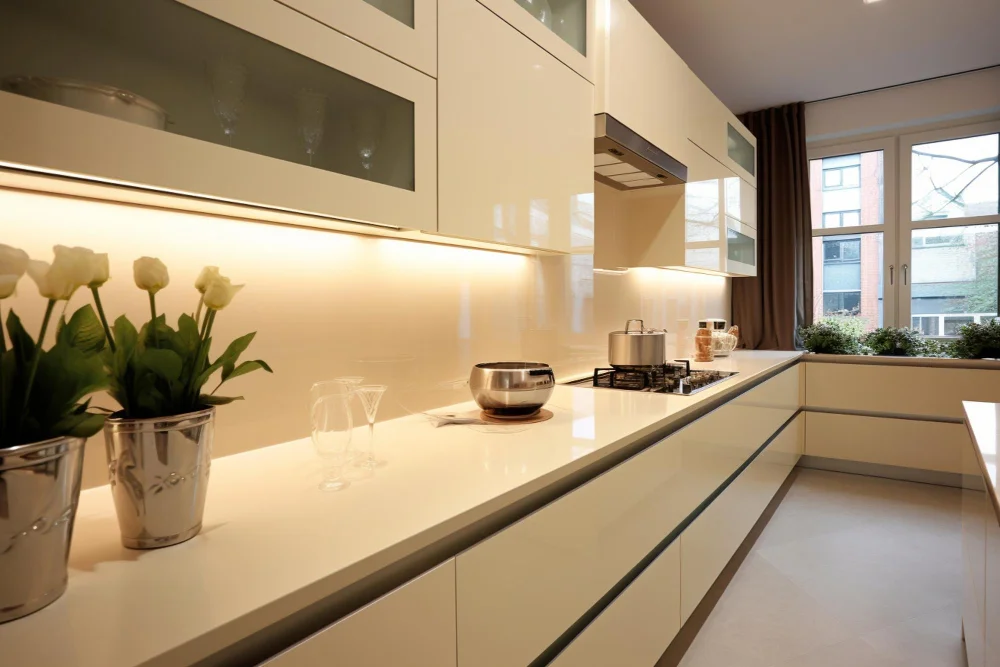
(331, 428)
(311, 109)
(370, 396)
(228, 81)
(367, 124)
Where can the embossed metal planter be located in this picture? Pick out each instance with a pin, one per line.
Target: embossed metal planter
(158, 470)
(39, 490)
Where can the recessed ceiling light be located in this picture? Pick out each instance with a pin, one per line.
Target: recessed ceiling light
(868, 2)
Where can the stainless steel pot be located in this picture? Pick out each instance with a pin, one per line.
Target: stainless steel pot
(159, 476)
(637, 347)
(39, 490)
(511, 388)
(93, 97)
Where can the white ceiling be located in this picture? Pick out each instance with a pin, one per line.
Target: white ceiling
(762, 53)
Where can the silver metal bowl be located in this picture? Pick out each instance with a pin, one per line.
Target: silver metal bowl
(511, 388)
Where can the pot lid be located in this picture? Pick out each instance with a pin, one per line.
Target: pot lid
(642, 330)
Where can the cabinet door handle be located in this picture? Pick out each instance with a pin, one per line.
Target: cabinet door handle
(892, 275)
(905, 267)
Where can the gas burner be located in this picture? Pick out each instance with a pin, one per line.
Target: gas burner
(670, 378)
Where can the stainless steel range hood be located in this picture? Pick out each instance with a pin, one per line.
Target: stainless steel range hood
(626, 161)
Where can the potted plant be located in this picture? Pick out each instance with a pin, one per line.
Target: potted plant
(44, 422)
(833, 335)
(893, 342)
(159, 444)
(978, 341)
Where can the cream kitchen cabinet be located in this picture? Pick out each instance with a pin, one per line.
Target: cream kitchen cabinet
(515, 130)
(403, 29)
(711, 540)
(638, 78)
(991, 617)
(976, 512)
(638, 626)
(412, 626)
(521, 588)
(687, 226)
(246, 101)
(717, 131)
(564, 28)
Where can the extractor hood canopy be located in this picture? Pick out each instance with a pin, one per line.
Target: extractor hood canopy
(626, 161)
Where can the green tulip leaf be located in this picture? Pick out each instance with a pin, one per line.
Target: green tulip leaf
(83, 331)
(208, 399)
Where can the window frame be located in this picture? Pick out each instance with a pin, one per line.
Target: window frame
(889, 201)
(906, 225)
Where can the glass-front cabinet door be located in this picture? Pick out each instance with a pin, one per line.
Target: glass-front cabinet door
(403, 29)
(248, 101)
(564, 28)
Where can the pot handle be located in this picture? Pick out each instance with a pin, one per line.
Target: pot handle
(542, 371)
(628, 325)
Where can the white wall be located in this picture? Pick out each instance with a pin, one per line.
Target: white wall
(949, 99)
(415, 316)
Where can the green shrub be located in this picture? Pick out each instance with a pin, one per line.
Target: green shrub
(977, 341)
(893, 342)
(833, 335)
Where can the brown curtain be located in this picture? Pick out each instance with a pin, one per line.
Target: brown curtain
(770, 307)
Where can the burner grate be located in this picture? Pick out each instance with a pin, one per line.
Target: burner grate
(670, 378)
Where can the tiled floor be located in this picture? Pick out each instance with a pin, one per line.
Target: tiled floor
(851, 571)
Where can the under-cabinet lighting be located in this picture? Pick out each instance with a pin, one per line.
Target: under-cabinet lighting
(613, 272)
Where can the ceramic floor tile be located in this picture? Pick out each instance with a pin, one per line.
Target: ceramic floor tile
(850, 570)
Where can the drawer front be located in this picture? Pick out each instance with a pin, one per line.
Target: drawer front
(520, 589)
(905, 390)
(413, 626)
(897, 442)
(639, 625)
(713, 538)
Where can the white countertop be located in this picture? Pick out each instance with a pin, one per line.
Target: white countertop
(273, 543)
(984, 425)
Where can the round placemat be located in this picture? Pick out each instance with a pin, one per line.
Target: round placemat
(542, 415)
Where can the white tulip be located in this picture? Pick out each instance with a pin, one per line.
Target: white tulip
(150, 274)
(13, 261)
(207, 275)
(51, 284)
(72, 265)
(7, 285)
(100, 270)
(220, 292)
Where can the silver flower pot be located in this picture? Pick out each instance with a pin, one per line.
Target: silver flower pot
(158, 470)
(39, 490)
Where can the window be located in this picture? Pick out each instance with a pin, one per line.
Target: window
(916, 245)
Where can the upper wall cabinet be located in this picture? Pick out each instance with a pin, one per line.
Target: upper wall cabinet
(639, 78)
(702, 225)
(715, 129)
(516, 132)
(564, 28)
(403, 29)
(247, 101)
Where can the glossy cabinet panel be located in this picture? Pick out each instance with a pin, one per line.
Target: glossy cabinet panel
(991, 616)
(976, 511)
(872, 388)
(521, 588)
(516, 136)
(924, 445)
(403, 29)
(413, 626)
(638, 626)
(564, 28)
(715, 129)
(638, 78)
(712, 539)
(263, 106)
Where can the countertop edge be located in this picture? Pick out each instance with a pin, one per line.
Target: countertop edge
(991, 490)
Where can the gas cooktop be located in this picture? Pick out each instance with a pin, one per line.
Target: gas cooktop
(670, 378)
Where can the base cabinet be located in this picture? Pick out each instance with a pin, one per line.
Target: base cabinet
(413, 626)
(975, 514)
(638, 626)
(712, 539)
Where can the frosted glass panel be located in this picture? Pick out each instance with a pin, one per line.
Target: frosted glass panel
(566, 18)
(172, 68)
(401, 10)
(741, 248)
(741, 151)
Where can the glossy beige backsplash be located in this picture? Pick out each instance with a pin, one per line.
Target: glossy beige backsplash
(414, 316)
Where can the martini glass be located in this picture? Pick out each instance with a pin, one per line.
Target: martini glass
(370, 396)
